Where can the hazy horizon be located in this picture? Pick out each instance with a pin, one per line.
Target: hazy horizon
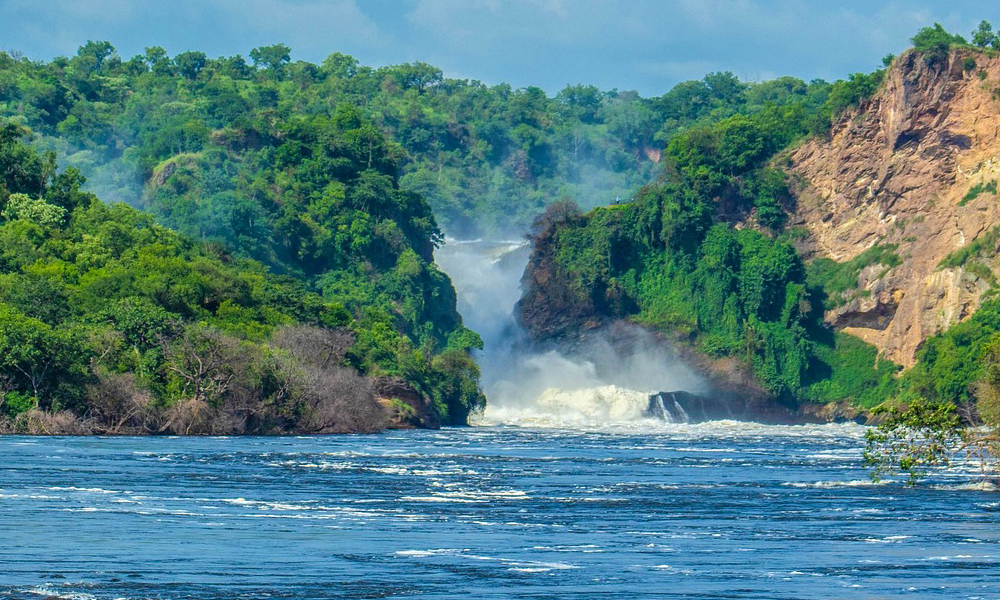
(641, 45)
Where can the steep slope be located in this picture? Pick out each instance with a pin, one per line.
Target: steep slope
(911, 172)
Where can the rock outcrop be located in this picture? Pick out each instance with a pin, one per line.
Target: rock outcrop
(685, 407)
(904, 168)
(406, 407)
(549, 311)
(911, 174)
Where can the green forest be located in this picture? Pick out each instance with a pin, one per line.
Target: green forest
(472, 150)
(113, 318)
(195, 244)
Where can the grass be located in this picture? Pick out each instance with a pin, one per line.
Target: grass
(851, 369)
(836, 278)
(958, 258)
(976, 190)
(981, 271)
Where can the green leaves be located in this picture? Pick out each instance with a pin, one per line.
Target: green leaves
(742, 144)
(274, 58)
(40, 359)
(847, 93)
(929, 433)
(21, 169)
(934, 42)
(913, 439)
(106, 313)
(662, 262)
(984, 36)
(33, 210)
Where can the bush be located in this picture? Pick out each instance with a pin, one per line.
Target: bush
(987, 242)
(934, 43)
(949, 363)
(834, 278)
(14, 403)
(850, 370)
(851, 92)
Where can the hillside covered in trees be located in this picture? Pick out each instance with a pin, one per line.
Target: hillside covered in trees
(112, 323)
(673, 261)
(486, 158)
(317, 176)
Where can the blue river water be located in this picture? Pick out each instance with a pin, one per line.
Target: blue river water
(717, 510)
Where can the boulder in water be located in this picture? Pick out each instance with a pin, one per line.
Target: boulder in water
(685, 407)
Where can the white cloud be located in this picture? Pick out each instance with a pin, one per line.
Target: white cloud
(314, 24)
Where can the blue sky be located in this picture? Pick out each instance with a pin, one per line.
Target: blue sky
(644, 45)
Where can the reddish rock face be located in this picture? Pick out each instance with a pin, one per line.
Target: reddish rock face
(895, 171)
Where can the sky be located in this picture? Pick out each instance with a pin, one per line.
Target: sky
(643, 45)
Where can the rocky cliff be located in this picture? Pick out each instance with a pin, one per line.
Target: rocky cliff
(915, 166)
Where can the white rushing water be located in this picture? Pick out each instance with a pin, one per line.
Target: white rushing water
(597, 385)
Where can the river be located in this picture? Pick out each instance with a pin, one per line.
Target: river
(716, 510)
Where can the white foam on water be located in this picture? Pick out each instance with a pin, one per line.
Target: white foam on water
(601, 383)
(580, 411)
(80, 489)
(49, 592)
(982, 486)
(537, 567)
(511, 564)
(469, 496)
(30, 497)
(668, 569)
(433, 552)
(442, 498)
(839, 484)
(561, 408)
(890, 539)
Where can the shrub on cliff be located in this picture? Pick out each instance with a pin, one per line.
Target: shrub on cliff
(934, 43)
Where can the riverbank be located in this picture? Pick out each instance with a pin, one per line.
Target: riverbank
(395, 405)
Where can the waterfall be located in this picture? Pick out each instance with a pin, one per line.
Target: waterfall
(662, 409)
(599, 382)
(684, 418)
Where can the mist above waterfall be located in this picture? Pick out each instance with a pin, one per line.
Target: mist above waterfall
(609, 376)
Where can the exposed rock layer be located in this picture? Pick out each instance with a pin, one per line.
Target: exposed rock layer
(895, 171)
